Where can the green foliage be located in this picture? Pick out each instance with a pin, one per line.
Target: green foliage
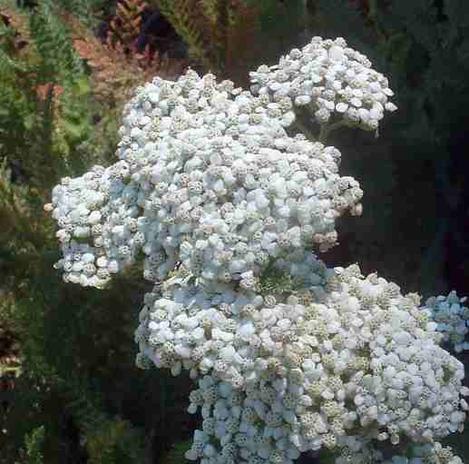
(179, 14)
(58, 58)
(33, 444)
(280, 27)
(107, 440)
(87, 11)
(176, 454)
(46, 114)
(279, 20)
(211, 9)
(327, 457)
(273, 281)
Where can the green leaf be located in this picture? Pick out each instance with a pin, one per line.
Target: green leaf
(176, 455)
(34, 442)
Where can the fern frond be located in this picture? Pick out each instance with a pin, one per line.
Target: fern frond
(8, 66)
(86, 11)
(211, 10)
(53, 43)
(124, 27)
(180, 13)
(107, 440)
(34, 442)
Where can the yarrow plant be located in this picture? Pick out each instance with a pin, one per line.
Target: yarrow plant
(227, 204)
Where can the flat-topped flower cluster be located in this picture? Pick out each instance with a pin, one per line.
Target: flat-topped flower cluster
(333, 80)
(223, 201)
(208, 177)
(434, 453)
(282, 374)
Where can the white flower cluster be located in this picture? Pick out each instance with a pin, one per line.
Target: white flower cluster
(452, 317)
(100, 227)
(283, 374)
(225, 206)
(330, 78)
(359, 452)
(207, 177)
(434, 453)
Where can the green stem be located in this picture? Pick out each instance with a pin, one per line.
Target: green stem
(326, 129)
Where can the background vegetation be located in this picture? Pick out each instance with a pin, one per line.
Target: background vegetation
(69, 391)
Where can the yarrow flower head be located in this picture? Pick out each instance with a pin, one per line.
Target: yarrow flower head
(306, 374)
(207, 177)
(332, 79)
(226, 207)
(359, 452)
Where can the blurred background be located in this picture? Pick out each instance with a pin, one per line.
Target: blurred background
(69, 390)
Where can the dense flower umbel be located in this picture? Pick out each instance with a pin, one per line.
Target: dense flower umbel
(283, 374)
(434, 453)
(332, 79)
(207, 177)
(225, 206)
(361, 452)
(101, 229)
